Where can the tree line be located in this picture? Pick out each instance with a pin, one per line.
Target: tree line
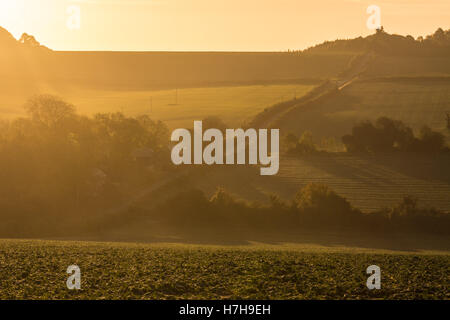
(315, 207)
(60, 166)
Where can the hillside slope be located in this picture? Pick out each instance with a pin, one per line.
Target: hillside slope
(389, 75)
(146, 70)
(416, 101)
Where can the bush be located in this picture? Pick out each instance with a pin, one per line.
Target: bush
(213, 122)
(315, 207)
(319, 204)
(293, 145)
(430, 141)
(388, 135)
(408, 216)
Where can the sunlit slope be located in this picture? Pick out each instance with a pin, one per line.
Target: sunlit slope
(158, 70)
(137, 70)
(416, 101)
(409, 65)
(122, 81)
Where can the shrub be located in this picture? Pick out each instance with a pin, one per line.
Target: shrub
(222, 198)
(213, 122)
(293, 145)
(430, 141)
(408, 216)
(315, 206)
(318, 203)
(388, 135)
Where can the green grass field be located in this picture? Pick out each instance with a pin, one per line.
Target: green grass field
(177, 108)
(33, 269)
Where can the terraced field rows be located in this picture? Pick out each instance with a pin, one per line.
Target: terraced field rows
(370, 185)
(416, 102)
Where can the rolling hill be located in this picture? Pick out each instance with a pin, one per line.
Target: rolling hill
(417, 101)
(389, 75)
(365, 78)
(27, 68)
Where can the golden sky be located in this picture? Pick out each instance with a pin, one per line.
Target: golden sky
(212, 25)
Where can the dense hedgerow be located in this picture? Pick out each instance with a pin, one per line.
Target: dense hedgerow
(315, 207)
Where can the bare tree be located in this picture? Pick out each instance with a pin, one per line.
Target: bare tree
(49, 110)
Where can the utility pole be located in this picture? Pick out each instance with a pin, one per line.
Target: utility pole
(151, 104)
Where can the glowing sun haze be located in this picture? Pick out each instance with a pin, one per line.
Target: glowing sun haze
(213, 25)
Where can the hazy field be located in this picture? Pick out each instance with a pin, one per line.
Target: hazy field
(369, 183)
(233, 104)
(374, 183)
(417, 102)
(37, 270)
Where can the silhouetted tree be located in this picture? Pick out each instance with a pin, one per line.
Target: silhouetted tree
(387, 135)
(29, 40)
(49, 110)
(430, 141)
(380, 30)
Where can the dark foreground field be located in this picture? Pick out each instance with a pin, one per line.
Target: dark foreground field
(37, 270)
